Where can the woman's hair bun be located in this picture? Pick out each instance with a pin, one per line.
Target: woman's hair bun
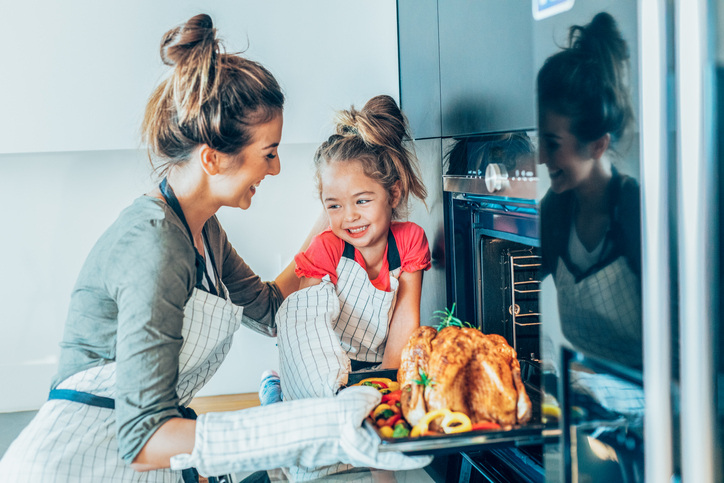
(196, 38)
(601, 38)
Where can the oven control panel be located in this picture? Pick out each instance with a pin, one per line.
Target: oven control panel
(492, 164)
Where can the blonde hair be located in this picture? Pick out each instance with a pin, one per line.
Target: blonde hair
(210, 97)
(377, 137)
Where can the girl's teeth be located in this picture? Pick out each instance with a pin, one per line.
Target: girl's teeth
(357, 230)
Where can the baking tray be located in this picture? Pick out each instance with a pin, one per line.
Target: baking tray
(532, 433)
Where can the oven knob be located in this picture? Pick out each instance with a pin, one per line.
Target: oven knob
(496, 177)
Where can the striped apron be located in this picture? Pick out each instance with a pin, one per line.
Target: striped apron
(70, 441)
(327, 330)
(601, 314)
(366, 311)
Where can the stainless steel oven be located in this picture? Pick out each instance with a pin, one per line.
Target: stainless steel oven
(491, 224)
(493, 282)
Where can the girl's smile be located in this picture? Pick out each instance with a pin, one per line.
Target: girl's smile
(357, 232)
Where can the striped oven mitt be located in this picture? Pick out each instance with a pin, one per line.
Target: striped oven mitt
(308, 433)
(312, 362)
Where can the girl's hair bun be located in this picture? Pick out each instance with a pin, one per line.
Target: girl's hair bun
(381, 122)
(601, 39)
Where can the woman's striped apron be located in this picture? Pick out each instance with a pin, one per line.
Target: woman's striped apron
(68, 441)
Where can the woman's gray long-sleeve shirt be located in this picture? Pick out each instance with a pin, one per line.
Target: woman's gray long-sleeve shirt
(128, 305)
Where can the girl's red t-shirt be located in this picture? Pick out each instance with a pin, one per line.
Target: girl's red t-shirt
(325, 251)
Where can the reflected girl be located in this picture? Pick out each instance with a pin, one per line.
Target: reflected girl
(590, 237)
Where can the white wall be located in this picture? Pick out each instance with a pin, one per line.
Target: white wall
(74, 80)
(75, 75)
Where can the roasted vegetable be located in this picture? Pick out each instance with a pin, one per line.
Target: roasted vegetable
(456, 423)
(382, 384)
(423, 426)
(402, 430)
(485, 425)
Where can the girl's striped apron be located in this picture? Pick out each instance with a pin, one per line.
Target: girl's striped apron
(366, 311)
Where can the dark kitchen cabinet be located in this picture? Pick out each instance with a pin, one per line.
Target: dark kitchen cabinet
(486, 66)
(419, 53)
(466, 67)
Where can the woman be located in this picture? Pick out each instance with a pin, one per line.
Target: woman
(161, 294)
(590, 217)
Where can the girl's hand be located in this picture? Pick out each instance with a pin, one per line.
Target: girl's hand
(405, 318)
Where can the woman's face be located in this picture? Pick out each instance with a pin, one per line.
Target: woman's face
(569, 162)
(245, 171)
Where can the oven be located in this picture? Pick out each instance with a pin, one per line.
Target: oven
(490, 263)
(491, 226)
(493, 278)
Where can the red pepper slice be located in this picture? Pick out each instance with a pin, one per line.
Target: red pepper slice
(393, 396)
(485, 425)
(392, 420)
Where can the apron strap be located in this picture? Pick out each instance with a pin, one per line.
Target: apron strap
(173, 202)
(83, 398)
(393, 254)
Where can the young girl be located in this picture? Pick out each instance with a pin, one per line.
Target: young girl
(372, 265)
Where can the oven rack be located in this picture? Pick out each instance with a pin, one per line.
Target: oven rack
(523, 262)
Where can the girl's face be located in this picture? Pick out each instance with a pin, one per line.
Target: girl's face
(359, 208)
(245, 171)
(569, 163)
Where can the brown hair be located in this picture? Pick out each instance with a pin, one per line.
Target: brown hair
(377, 137)
(210, 97)
(588, 81)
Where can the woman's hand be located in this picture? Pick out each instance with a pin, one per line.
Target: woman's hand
(175, 436)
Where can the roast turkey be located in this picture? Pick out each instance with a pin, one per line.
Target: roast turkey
(463, 370)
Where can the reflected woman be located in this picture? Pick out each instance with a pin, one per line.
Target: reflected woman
(590, 237)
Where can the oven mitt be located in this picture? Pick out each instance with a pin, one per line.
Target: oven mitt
(307, 433)
(312, 362)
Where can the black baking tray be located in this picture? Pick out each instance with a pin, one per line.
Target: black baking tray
(357, 376)
(532, 433)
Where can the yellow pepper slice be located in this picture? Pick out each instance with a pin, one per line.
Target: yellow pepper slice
(379, 409)
(393, 386)
(456, 423)
(422, 426)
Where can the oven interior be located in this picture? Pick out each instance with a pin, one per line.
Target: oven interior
(495, 282)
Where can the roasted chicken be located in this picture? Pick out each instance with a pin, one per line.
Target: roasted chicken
(463, 370)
